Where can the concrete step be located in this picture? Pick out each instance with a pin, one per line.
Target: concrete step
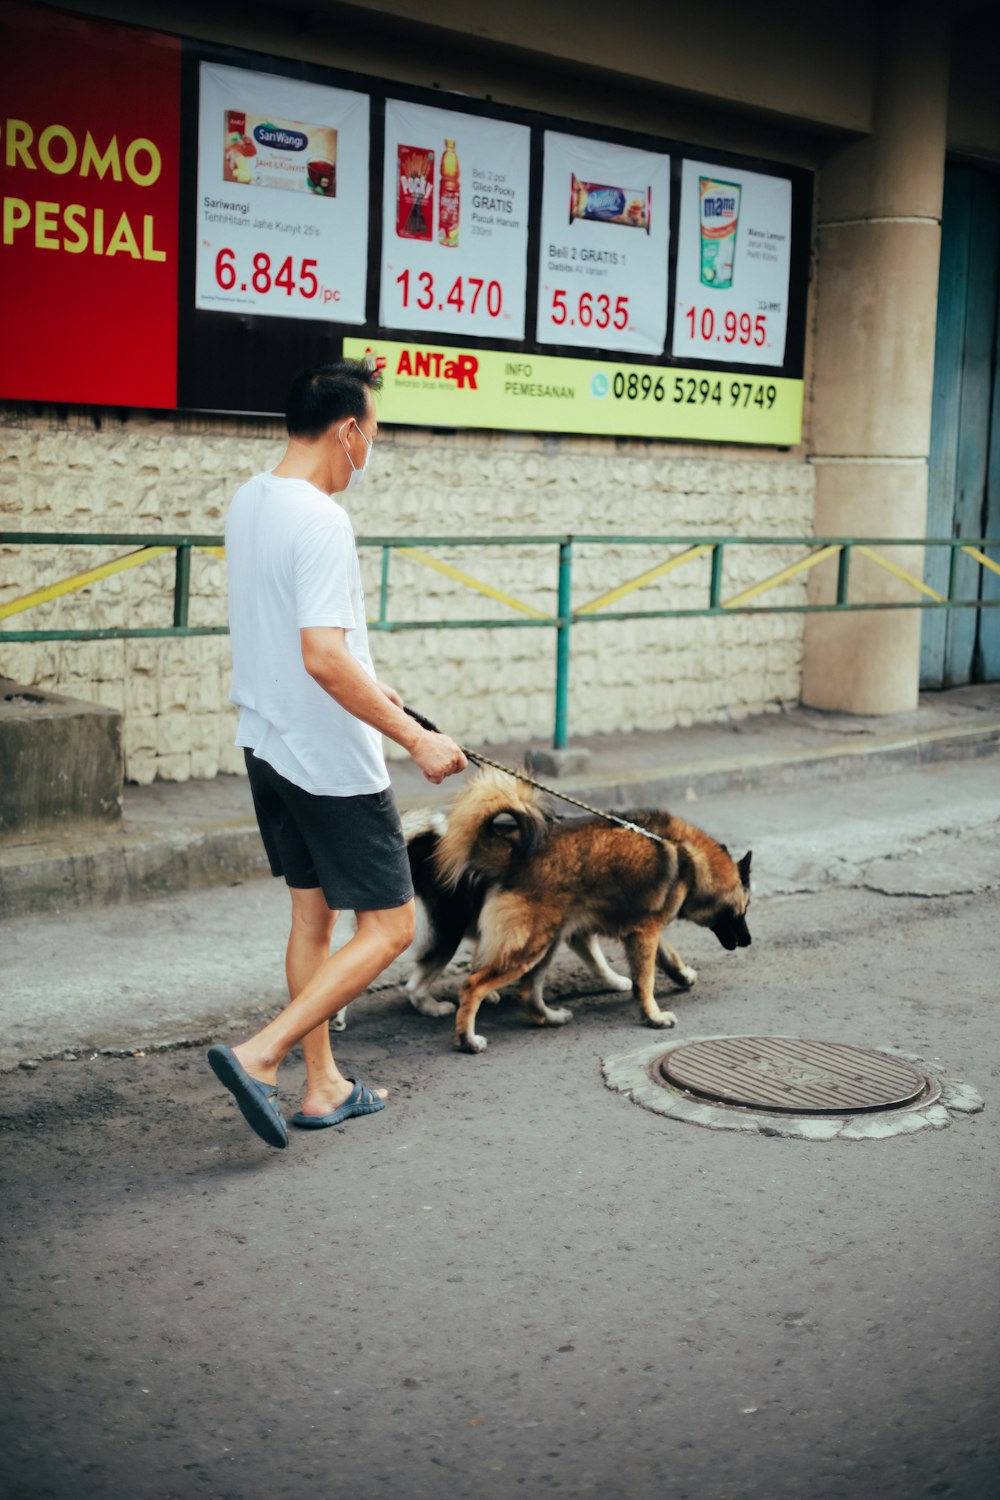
(193, 835)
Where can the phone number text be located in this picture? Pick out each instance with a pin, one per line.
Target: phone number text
(687, 390)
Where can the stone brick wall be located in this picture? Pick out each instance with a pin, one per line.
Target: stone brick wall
(137, 473)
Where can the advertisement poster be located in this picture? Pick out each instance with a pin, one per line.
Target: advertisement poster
(733, 266)
(89, 180)
(455, 222)
(282, 197)
(453, 387)
(187, 224)
(602, 277)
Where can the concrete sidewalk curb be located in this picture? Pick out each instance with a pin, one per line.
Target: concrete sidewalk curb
(107, 870)
(113, 868)
(771, 770)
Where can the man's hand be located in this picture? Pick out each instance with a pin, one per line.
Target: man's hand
(438, 756)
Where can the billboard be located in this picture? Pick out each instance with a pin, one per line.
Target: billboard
(89, 170)
(186, 225)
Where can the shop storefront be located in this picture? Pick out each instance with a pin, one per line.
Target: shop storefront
(598, 312)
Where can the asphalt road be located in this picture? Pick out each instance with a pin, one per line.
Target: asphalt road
(513, 1281)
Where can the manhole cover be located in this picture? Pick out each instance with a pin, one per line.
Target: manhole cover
(790, 1076)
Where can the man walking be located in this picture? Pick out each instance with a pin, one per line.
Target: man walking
(311, 717)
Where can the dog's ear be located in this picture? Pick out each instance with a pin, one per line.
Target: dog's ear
(505, 824)
(744, 869)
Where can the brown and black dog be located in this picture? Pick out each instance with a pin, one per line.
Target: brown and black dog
(450, 912)
(580, 880)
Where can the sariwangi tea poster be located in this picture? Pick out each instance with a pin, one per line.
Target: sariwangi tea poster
(282, 197)
(605, 231)
(733, 261)
(454, 222)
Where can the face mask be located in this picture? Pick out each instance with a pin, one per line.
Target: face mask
(356, 474)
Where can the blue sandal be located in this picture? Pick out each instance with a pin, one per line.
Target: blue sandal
(360, 1101)
(258, 1102)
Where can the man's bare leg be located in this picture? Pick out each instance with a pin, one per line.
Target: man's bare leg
(308, 947)
(334, 980)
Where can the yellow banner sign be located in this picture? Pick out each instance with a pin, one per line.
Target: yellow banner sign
(434, 386)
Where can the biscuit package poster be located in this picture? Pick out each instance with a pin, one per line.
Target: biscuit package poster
(610, 205)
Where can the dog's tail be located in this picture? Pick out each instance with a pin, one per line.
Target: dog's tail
(496, 821)
(417, 821)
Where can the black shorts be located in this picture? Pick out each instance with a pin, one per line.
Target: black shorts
(352, 848)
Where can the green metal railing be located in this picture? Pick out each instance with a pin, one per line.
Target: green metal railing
(522, 614)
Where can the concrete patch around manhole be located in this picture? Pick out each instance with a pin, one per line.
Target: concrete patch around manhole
(637, 1075)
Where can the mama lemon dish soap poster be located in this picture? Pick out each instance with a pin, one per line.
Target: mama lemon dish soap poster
(719, 214)
(733, 266)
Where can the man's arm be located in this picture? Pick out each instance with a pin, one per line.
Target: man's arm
(327, 660)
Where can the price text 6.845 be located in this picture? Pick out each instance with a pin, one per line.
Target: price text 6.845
(261, 277)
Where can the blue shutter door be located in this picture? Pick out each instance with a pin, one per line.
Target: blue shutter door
(960, 644)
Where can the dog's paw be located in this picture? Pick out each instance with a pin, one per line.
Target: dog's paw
(470, 1042)
(429, 1007)
(493, 996)
(686, 977)
(339, 1022)
(619, 982)
(542, 1015)
(661, 1018)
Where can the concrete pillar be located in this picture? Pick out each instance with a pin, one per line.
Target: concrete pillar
(876, 304)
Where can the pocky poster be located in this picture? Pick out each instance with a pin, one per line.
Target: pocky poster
(455, 217)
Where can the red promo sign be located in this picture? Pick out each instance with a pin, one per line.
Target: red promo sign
(89, 154)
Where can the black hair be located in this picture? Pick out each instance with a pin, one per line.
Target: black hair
(327, 393)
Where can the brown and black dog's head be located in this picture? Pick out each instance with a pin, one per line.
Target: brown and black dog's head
(719, 893)
(718, 888)
(729, 923)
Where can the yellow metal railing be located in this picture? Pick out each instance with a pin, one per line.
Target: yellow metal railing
(420, 550)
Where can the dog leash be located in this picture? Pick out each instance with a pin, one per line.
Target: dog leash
(484, 760)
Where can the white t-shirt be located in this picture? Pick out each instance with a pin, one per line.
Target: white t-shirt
(292, 562)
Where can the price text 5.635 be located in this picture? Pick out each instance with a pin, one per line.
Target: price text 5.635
(589, 309)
